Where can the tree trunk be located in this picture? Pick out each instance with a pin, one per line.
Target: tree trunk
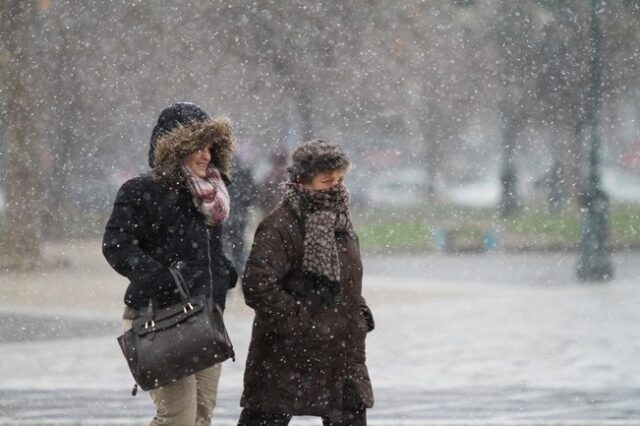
(305, 109)
(58, 220)
(431, 160)
(20, 236)
(509, 203)
(573, 176)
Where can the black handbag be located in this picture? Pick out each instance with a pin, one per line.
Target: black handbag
(169, 344)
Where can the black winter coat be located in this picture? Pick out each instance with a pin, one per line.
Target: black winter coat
(151, 228)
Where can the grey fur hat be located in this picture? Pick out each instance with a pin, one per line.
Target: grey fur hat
(315, 157)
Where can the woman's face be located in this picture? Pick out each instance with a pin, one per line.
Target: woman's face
(199, 161)
(325, 180)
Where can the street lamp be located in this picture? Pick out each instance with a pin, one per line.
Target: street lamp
(594, 263)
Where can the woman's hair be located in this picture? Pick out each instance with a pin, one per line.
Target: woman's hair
(173, 147)
(175, 115)
(314, 157)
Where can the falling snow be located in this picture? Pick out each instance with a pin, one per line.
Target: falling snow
(495, 189)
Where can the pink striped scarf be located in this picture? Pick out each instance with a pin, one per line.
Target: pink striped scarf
(210, 194)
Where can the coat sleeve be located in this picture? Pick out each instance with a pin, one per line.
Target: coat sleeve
(121, 244)
(268, 264)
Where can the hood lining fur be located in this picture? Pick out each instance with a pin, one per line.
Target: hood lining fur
(182, 141)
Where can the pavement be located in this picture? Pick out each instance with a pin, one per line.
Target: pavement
(481, 339)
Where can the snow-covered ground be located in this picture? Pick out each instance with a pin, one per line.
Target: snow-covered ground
(496, 339)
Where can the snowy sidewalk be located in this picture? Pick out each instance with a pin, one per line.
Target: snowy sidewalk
(476, 340)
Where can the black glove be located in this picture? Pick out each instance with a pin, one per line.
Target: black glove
(368, 316)
(325, 292)
(162, 288)
(232, 271)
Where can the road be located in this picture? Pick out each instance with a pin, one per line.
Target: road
(493, 339)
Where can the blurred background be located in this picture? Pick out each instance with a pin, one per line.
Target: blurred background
(496, 169)
(468, 122)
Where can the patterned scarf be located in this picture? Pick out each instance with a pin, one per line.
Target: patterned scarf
(324, 213)
(210, 194)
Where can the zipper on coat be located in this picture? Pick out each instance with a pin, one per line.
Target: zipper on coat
(210, 270)
(232, 354)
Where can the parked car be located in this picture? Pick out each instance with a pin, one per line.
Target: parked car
(620, 184)
(92, 195)
(397, 187)
(480, 193)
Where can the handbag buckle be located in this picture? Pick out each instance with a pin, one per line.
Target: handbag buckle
(146, 324)
(184, 308)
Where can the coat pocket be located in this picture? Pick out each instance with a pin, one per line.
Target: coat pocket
(359, 379)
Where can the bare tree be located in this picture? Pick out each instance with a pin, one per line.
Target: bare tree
(20, 236)
(295, 44)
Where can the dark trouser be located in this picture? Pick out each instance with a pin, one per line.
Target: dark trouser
(260, 418)
(354, 414)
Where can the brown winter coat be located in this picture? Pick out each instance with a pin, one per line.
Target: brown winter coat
(300, 357)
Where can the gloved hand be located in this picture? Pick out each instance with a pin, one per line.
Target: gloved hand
(231, 271)
(161, 288)
(325, 292)
(368, 316)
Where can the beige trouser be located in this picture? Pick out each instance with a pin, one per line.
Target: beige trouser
(189, 401)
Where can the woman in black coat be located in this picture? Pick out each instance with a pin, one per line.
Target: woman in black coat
(173, 217)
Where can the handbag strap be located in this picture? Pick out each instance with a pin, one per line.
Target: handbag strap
(183, 289)
(185, 294)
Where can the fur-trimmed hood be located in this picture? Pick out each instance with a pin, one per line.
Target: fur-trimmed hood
(176, 145)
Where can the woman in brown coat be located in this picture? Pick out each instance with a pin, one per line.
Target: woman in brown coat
(304, 281)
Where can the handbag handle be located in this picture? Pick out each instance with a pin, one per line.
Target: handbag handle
(185, 294)
(183, 289)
